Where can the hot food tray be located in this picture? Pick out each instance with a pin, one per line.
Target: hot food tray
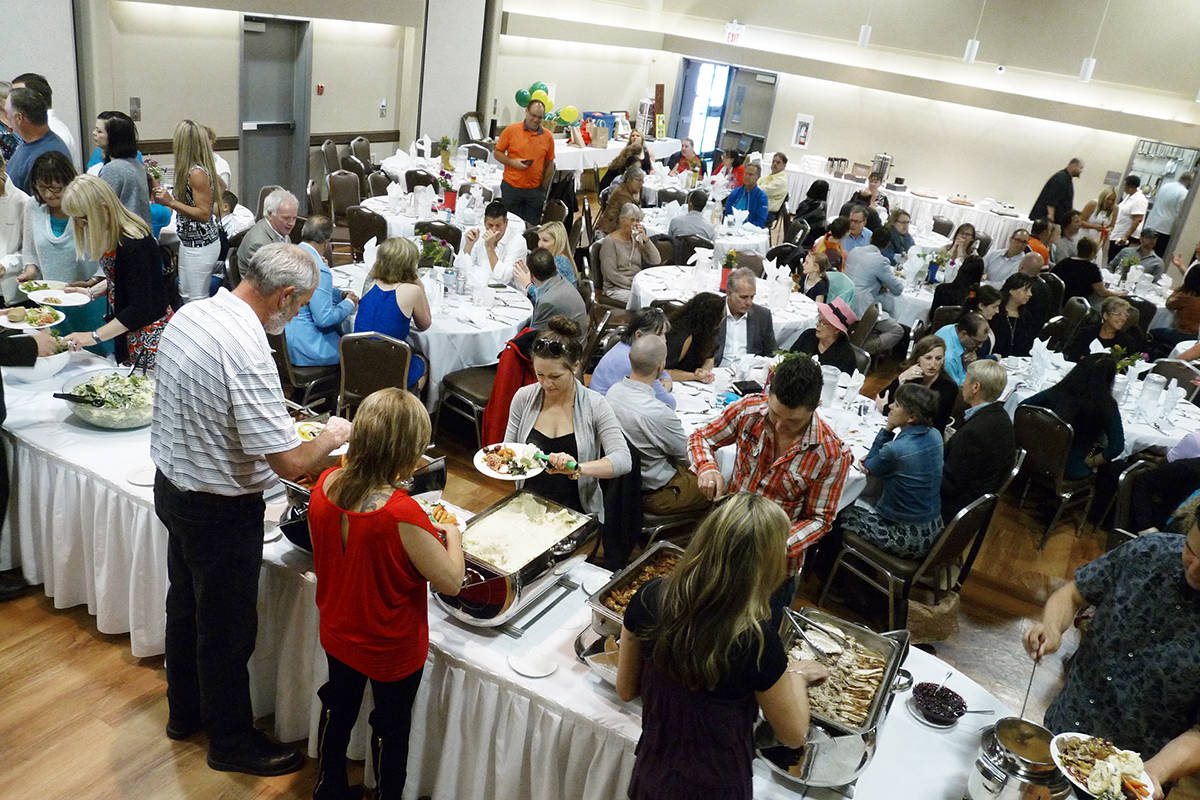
(604, 619)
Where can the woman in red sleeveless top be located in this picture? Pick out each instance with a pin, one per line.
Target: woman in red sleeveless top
(374, 551)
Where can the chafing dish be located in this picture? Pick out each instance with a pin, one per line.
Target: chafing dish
(429, 477)
(492, 596)
(1014, 762)
(604, 619)
(836, 753)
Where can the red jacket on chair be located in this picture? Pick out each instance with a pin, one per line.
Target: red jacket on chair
(514, 371)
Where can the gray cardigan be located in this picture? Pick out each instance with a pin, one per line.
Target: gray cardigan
(128, 179)
(597, 435)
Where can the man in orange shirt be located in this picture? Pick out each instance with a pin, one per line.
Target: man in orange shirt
(527, 153)
(1039, 238)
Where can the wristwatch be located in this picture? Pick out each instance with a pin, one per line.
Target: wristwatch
(96, 336)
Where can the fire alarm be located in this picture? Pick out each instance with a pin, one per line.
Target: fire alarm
(320, 89)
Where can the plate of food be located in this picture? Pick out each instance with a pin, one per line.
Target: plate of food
(310, 429)
(20, 318)
(439, 513)
(40, 285)
(509, 461)
(1100, 768)
(59, 298)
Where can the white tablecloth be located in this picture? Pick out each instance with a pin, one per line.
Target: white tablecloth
(740, 238)
(675, 283)
(482, 730)
(577, 159)
(1140, 433)
(75, 523)
(922, 209)
(487, 173)
(462, 334)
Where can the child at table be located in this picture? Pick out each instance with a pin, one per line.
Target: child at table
(371, 588)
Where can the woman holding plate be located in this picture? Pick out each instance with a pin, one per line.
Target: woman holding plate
(568, 422)
(133, 275)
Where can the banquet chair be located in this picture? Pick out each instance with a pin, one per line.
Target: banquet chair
(598, 278)
(378, 183)
(295, 234)
(343, 193)
(983, 243)
(417, 177)
(1047, 440)
(672, 195)
(591, 342)
(329, 154)
(872, 564)
(1056, 290)
(860, 330)
(666, 248)
(1145, 315)
(555, 211)
(797, 230)
(354, 164)
(575, 237)
(360, 146)
(478, 151)
(969, 560)
(1058, 331)
(233, 274)
(942, 225)
(465, 392)
(782, 253)
(315, 204)
(862, 360)
(531, 239)
(1123, 525)
(943, 316)
(451, 234)
(364, 225)
(313, 383)
(751, 261)
(687, 245)
(370, 361)
(1182, 371)
(262, 198)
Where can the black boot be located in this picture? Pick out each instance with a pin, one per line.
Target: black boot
(390, 757)
(333, 736)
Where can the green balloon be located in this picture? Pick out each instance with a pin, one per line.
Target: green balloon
(539, 85)
(523, 97)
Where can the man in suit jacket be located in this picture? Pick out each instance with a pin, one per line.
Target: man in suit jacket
(17, 351)
(746, 329)
(279, 217)
(554, 295)
(980, 454)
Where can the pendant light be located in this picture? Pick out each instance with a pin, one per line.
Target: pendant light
(973, 43)
(1089, 64)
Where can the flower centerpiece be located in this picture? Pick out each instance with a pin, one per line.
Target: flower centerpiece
(435, 252)
(731, 260)
(936, 260)
(449, 196)
(444, 145)
(1126, 360)
(1127, 263)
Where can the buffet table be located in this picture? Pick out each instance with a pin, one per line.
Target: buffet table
(482, 730)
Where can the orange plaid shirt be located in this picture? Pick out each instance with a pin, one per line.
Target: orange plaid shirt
(807, 480)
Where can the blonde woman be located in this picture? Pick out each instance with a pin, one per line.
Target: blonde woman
(1098, 216)
(192, 201)
(552, 236)
(133, 276)
(696, 646)
(395, 299)
(375, 553)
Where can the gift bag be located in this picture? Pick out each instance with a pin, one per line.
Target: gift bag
(599, 133)
(575, 137)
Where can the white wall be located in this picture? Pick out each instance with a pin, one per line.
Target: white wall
(359, 63)
(944, 146)
(450, 78)
(591, 77)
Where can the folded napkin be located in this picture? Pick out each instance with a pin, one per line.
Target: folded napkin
(740, 215)
(369, 251)
(673, 209)
(422, 147)
(774, 271)
(394, 192)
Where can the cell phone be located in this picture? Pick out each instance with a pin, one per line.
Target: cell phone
(497, 285)
(747, 387)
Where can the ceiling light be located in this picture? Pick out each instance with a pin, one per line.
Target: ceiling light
(973, 43)
(864, 35)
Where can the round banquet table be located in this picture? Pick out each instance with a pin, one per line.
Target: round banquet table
(676, 283)
(743, 238)
(399, 221)
(486, 173)
(463, 334)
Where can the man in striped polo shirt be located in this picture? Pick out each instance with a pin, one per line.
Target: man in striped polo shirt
(219, 436)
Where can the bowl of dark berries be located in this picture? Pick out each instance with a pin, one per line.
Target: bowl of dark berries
(938, 704)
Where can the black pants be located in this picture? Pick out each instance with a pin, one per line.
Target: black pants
(391, 720)
(525, 203)
(1160, 244)
(214, 553)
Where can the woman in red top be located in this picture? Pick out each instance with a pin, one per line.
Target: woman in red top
(374, 549)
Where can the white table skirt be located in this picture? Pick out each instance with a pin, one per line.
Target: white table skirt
(675, 283)
(481, 730)
(922, 209)
(461, 335)
(75, 524)
(757, 240)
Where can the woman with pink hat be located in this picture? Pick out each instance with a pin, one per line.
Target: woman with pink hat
(829, 341)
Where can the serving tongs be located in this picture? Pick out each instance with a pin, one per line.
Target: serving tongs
(78, 398)
(822, 656)
(571, 465)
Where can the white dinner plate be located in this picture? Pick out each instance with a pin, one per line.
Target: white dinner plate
(25, 326)
(533, 664)
(308, 430)
(1144, 779)
(59, 299)
(503, 476)
(142, 476)
(46, 284)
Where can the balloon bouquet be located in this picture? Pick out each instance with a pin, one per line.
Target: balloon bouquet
(539, 92)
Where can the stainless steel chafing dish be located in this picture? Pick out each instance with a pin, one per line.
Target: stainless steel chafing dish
(429, 477)
(836, 753)
(604, 619)
(491, 596)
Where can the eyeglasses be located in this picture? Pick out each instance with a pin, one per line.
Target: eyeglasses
(43, 189)
(549, 346)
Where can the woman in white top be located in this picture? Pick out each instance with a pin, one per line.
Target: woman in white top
(48, 242)
(1098, 216)
(192, 201)
(13, 205)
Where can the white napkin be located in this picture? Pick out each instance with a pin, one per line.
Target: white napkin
(672, 210)
(701, 256)
(1095, 347)
(369, 250)
(1165, 281)
(1138, 369)
(424, 147)
(773, 271)
(394, 192)
(740, 215)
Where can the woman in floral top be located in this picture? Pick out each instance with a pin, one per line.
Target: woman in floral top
(137, 294)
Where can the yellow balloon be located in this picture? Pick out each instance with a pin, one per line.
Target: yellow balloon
(568, 114)
(542, 98)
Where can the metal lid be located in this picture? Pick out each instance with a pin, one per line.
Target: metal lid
(1024, 745)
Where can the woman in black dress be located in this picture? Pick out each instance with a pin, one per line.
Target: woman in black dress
(828, 340)
(696, 647)
(925, 366)
(1014, 330)
(691, 342)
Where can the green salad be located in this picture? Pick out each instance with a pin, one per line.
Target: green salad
(33, 286)
(119, 391)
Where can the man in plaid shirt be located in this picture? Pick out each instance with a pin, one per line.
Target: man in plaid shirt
(785, 453)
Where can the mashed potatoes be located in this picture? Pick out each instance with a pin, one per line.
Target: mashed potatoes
(517, 532)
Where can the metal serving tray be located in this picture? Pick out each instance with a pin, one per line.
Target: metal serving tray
(604, 619)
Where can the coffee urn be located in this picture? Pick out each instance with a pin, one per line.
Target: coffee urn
(881, 164)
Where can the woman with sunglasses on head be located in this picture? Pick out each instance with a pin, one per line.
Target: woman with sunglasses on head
(697, 648)
(568, 422)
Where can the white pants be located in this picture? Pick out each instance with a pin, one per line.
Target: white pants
(196, 266)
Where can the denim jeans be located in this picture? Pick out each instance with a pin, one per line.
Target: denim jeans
(525, 203)
(214, 553)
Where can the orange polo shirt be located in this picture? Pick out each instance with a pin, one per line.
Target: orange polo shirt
(1041, 249)
(516, 142)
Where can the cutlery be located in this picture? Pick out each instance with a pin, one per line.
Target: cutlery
(572, 465)
(1025, 702)
(78, 398)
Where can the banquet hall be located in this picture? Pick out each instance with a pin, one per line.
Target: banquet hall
(592, 274)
